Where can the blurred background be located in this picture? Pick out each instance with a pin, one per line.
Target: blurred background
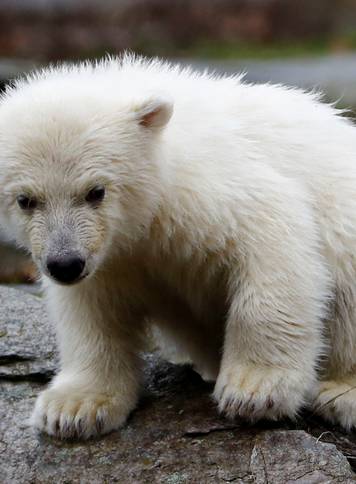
(307, 43)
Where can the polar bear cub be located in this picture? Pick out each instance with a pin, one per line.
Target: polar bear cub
(224, 212)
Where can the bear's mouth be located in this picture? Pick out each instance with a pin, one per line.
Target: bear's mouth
(68, 282)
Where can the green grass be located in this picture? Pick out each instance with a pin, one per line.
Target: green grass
(252, 50)
(219, 49)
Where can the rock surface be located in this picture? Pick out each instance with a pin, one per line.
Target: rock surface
(334, 75)
(174, 437)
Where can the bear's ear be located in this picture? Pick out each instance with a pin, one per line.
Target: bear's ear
(154, 113)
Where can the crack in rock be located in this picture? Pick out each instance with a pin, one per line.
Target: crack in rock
(11, 358)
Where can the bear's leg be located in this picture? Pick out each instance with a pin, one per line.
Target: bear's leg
(336, 401)
(336, 398)
(273, 335)
(97, 386)
(268, 368)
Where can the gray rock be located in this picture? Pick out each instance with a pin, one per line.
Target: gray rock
(175, 436)
(27, 343)
(12, 68)
(332, 74)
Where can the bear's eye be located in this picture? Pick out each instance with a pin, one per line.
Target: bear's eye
(96, 194)
(26, 203)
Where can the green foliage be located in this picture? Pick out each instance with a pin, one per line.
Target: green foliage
(253, 50)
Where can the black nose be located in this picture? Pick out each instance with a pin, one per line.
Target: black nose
(65, 269)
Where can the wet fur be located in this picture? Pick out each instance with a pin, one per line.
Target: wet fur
(230, 224)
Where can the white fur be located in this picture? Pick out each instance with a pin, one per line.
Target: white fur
(230, 223)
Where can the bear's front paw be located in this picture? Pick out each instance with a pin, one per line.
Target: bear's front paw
(255, 392)
(67, 414)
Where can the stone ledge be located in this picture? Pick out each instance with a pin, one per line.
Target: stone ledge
(175, 435)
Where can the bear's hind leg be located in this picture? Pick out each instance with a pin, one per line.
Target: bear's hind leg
(336, 401)
(336, 398)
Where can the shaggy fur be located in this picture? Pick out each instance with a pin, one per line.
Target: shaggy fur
(229, 219)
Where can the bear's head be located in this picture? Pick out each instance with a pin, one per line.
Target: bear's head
(79, 170)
